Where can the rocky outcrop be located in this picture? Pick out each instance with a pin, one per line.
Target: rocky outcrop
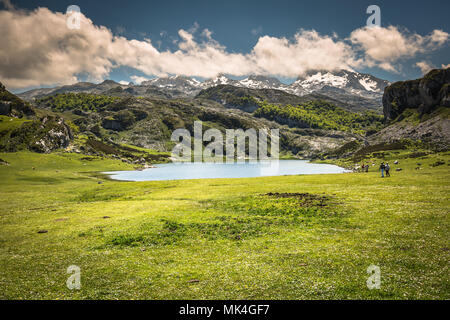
(435, 131)
(11, 105)
(52, 134)
(43, 136)
(418, 110)
(5, 108)
(425, 94)
(121, 120)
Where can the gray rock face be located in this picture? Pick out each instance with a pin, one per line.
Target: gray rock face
(11, 105)
(435, 130)
(52, 134)
(425, 94)
(5, 107)
(44, 136)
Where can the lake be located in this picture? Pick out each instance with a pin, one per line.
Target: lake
(205, 170)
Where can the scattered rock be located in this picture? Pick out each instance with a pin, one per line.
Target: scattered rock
(396, 162)
(100, 182)
(398, 169)
(106, 217)
(193, 281)
(303, 264)
(42, 231)
(61, 219)
(437, 163)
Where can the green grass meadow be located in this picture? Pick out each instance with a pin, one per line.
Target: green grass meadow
(287, 237)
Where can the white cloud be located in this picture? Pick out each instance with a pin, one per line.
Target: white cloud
(445, 66)
(439, 37)
(38, 49)
(385, 46)
(138, 79)
(424, 66)
(123, 82)
(308, 50)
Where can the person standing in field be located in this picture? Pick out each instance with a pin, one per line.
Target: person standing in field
(387, 168)
(382, 167)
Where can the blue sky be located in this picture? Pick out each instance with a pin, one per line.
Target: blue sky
(237, 25)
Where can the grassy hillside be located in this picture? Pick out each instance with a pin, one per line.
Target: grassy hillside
(288, 237)
(149, 123)
(80, 101)
(321, 115)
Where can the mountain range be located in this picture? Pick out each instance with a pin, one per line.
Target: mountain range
(359, 91)
(105, 118)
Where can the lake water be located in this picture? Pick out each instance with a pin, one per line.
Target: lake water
(202, 170)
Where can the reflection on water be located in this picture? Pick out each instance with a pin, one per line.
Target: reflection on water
(204, 170)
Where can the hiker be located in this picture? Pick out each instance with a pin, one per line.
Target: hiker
(387, 168)
(362, 167)
(382, 167)
(367, 168)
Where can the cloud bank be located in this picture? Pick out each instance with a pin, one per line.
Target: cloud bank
(37, 49)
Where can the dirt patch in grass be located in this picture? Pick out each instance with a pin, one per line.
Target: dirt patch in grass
(284, 205)
(305, 199)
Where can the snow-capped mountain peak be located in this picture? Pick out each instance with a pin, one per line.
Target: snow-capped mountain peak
(261, 82)
(320, 79)
(350, 81)
(219, 80)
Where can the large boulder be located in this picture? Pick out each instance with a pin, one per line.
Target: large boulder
(425, 94)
